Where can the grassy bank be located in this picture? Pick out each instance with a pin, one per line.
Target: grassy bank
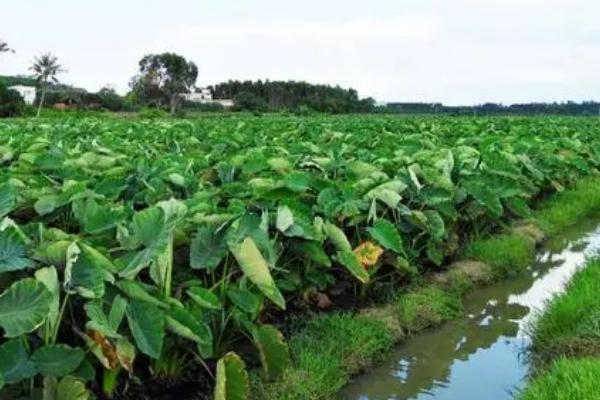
(566, 342)
(509, 253)
(333, 347)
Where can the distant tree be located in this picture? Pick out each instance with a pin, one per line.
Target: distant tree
(11, 102)
(110, 100)
(45, 68)
(247, 101)
(4, 47)
(163, 78)
(294, 96)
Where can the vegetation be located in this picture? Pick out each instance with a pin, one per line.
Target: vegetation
(570, 325)
(328, 350)
(4, 47)
(423, 306)
(292, 96)
(585, 108)
(124, 242)
(565, 338)
(568, 379)
(162, 80)
(45, 68)
(11, 102)
(508, 254)
(571, 205)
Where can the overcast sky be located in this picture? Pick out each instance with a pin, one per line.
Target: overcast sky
(454, 51)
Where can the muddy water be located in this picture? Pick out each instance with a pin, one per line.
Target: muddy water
(483, 354)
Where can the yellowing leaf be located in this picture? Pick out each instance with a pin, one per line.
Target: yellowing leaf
(368, 254)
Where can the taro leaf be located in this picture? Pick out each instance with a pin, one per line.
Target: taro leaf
(95, 218)
(49, 277)
(256, 269)
(294, 225)
(485, 196)
(244, 299)
(117, 312)
(139, 291)
(232, 379)
(101, 348)
(337, 237)
(57, 359)
(297, 181)
(388, 193)
(12, 251)
(71, 388)
(313, 251)
(174, 211)
(8, 199)
(53, 253)
(279, 164)
(147, 325)
(204, 298)
(98, 321)
(368, 254)
(285, 218)
(274, 352)
(85, 371)
(176, 179)
(518, 206)
(349, 260)
(24, 306)
(435, 223)
(148, 225)
(86, 272)
(434, 253)
(46, 204)
(183, 323)
(15, 364)
(386, 234)
(49, 389)
(97, 258)
(132, 263)
(208, 248)
(126, 354)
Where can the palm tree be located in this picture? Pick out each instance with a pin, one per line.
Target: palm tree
(45, 67)
(4, 47)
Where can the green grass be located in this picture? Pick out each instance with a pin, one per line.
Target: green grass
(426, 307)
(327, 352)
(571, 324)
(566, 380)
(569, 331)
(569, 206)
(507, 254)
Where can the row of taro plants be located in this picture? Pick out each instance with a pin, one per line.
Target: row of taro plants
(139, 252)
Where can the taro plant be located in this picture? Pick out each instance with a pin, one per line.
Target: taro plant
(133, 252)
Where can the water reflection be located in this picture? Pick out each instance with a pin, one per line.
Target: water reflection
(481, 355)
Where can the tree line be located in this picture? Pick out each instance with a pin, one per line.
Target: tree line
(292, 96)
(162, 79)
(586, 108)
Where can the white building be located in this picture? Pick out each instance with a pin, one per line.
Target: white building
(204, 96)
(26, 92)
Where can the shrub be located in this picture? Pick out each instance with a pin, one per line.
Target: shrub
(11, 102)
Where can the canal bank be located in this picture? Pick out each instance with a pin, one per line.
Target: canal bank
(329, 349)
(483, 353)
